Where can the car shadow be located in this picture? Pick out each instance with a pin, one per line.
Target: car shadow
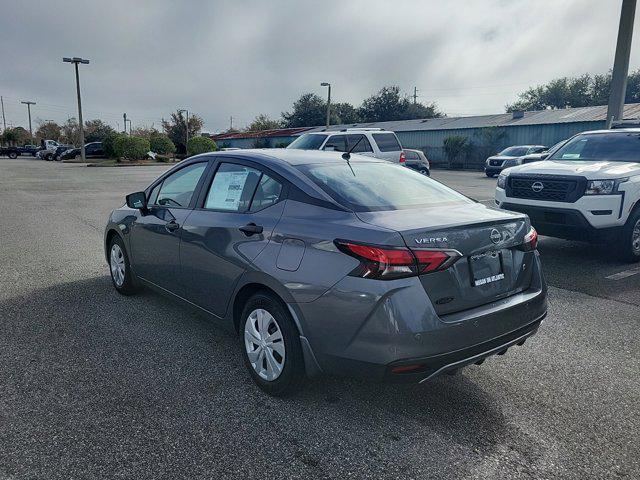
(90, 376)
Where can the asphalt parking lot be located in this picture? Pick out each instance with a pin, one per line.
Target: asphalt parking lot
(96, 385)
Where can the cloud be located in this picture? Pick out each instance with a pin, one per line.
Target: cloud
(242, 58)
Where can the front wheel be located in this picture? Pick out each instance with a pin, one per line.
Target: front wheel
(13, 155)
(271, 346)
(120, 268)
(424, 171)
(629, 248)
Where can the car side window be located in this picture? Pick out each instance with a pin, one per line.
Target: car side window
(361, 143)
(267, 193)
(177, 189)
(232, 188)
(337, 142)
(412, 156)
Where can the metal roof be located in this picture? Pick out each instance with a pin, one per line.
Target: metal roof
(278, 132)
(538, 117)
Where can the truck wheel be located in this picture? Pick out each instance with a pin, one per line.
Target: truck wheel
(48, 157)
(629, 247)
(13, 155)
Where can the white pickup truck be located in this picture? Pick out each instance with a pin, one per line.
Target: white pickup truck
(588, 189)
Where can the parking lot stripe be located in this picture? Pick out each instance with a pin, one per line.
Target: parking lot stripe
(623, 274)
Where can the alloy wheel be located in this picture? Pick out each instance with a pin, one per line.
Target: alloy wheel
(635, 238)
(117, 265)
(264, 344)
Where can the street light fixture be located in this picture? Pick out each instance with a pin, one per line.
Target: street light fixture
(28, 104)
(76, 61)
(326, 84)
(186, 125)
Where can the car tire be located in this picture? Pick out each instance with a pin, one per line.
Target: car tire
(13, 155)
(276, 366)
(48, 157)
(424, 171)
(490, 175)
(629, 245)
(120, 268)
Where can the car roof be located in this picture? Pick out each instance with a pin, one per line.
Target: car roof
(294, 157)
(613, 130)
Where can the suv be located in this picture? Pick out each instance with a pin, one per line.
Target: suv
(588, 189)
(494, 165)
(372, 142)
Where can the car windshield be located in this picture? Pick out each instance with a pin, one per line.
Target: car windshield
(514, 151)
(307, 141)
(380, 186)
(612, 147)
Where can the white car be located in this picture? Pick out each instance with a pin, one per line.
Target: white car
(588, 189)
(374, 142)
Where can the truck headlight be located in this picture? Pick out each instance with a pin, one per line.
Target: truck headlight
(502, 181)
(603, 187)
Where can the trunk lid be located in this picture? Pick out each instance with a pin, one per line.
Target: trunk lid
(491, 267)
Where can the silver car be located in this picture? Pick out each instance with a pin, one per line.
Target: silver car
(332, 263)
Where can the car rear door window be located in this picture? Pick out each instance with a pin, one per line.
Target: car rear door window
(411, 155)
(267, 193)
(360, 142)
(177, 189)
(337, 142)
(387, 142)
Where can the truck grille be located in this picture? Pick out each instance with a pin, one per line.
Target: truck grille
(548, 188)
(495, 163)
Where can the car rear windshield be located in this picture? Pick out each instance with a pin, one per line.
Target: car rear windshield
(366, 187)
(613, 147)
(387, 142)
(514, 151)
(307, 142)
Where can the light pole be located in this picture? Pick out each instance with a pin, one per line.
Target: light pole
(28, 104)
(76, 61)
(186, 124)
(125, 126)
(615, 110)
(326, 84)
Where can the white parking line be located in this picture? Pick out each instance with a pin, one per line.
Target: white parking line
(623, 274)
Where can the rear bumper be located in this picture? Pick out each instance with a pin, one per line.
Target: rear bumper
(366, 334)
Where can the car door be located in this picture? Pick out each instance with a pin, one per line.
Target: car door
(156, 233)
(233, 223)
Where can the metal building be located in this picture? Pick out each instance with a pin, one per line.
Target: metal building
(485, 134)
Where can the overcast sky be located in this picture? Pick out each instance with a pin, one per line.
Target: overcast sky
(242, 58)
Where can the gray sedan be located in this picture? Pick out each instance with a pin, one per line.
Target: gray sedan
(332, 263)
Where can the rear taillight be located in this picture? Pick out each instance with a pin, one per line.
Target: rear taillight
(403, 159)
(387, 263)
(530, 241)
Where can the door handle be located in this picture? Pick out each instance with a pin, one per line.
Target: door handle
(172, 226)
(251, 229)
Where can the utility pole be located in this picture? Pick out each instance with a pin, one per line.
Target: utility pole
(615, 110)
(4, 120)
(231, 123)
(124, 120)
(415, 95)
(76, 61)
(28, 104)
(327, 84)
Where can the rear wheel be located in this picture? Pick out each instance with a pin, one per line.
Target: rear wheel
(48, 157)
(271, 345)
(629, 246)
(13, 155)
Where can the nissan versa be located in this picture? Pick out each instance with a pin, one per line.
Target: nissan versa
(332, 263)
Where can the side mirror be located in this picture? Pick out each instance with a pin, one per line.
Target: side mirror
(137, 200)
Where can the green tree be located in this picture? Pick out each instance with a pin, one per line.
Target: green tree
(162, 144)
(131, 147)
(387, 104)
(582, 91)
(16, 136)
(145, 132)
(263, 122)
(199, 145)
(343, 113)
(70, 132)
(176, 129)
(48, 131)
(308, 111)
(108, 144)
(455, 148)
(96, 130)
